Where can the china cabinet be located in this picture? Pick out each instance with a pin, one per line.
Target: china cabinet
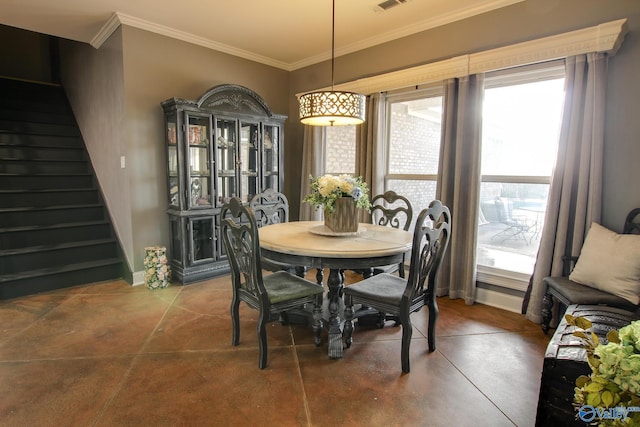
(225, 144)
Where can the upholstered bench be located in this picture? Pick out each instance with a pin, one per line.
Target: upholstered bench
(568, 292)
(565, 360)
(605, 274)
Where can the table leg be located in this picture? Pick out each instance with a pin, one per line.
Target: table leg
(335, 284)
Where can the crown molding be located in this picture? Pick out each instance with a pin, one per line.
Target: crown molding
(105, 32)
(118, 19)
(427, 24)
(606, 37)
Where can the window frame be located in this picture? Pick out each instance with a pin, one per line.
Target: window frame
(419, 92)
(511, 77)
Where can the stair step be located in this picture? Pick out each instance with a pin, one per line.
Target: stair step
(23, 260)
(20, 140)
(28, 236)
(47, 279)
(60, 117)
(44, 197)
(49, 215)
(44, 167)
(45, 181)
(36, 106)
(25, 152)
(23, 89)
(55, 231)
(69, 267)
(29, 128)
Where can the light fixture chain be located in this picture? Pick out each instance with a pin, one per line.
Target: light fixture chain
(333, 42)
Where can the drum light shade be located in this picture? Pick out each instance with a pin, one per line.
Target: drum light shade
(331, 108)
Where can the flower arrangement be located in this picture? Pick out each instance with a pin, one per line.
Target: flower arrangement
(610, 395)
(156, 270)
(326, 189)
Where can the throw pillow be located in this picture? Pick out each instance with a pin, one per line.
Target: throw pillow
(610, 262)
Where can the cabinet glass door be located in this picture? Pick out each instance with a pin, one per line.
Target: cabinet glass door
(172, 158)
(248, 151)
(200, 188)
(202, 239)
(270, 157)
(227, 142)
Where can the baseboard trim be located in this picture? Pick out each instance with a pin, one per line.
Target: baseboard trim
(499, 300)
(138, 278)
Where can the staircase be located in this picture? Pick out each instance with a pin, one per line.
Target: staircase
(55, 231)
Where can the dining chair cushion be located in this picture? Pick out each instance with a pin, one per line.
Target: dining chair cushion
(283, 286)
(610, 262)
(384, 287)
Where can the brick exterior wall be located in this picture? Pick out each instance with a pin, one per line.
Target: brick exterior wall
(341, 150)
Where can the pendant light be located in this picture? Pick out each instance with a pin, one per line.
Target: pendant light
(332, 108)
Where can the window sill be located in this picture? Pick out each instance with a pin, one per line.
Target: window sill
(503, 278)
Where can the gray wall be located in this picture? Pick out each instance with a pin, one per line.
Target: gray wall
(121, 85)
(517, 23)
(94, 82)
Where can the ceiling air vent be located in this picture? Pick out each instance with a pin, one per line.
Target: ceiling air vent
(388, 4)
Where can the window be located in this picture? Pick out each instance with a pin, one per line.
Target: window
(413, 145)
(341, 150)
(520, 128)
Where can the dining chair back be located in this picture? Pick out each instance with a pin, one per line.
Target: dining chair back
(270, 207)
(392, 210)
(401, 297)
(271, 294)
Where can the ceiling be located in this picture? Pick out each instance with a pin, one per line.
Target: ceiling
(287, 34)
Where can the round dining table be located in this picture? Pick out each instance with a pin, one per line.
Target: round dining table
(309, 244)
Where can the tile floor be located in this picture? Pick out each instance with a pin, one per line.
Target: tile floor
(109, 354)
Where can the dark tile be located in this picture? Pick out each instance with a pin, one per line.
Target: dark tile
(200, 319)
(111, 354)
(61, 392)
(367, 387)
(20, 313)
(506, 367)
(210, 388)
(89, 325)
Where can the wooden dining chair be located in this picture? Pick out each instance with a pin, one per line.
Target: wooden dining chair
(271, 294)
(271, 207)
(401, 297)
(392, 210)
